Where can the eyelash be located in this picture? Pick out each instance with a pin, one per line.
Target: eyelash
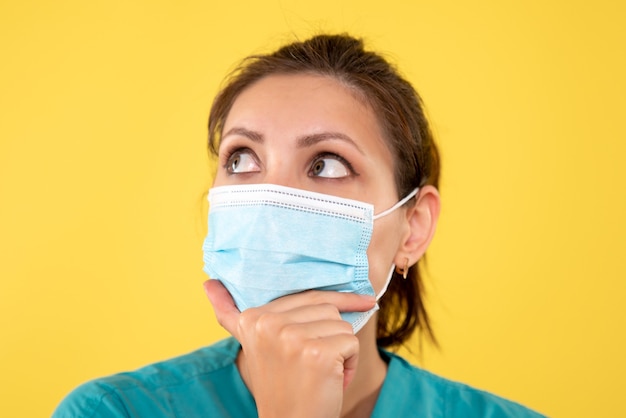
(336, 157)
(229, 152)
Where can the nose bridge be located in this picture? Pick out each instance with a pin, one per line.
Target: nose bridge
(281, 169)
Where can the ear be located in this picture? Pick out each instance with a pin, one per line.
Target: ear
(422, 220)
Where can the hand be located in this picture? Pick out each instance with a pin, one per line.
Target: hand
(298, 354)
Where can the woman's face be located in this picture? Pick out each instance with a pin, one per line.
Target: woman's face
(311, 132)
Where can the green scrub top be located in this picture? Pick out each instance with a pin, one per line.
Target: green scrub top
(207, 383)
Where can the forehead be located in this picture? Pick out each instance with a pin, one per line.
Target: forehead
(291, 105)
(305, 103)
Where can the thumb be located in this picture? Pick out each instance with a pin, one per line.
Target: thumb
(225, 309)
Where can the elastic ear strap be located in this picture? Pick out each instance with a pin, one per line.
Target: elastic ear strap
(397, 205)
(384, 289)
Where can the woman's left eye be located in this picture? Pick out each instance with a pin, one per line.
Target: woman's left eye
(242, 161)
(330, 166)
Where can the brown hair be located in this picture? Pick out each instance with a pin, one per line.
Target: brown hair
(405, 127)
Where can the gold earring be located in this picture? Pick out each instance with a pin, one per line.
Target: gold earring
(405, 271)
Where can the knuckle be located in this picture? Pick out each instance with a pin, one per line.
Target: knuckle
(313, 352)
(248, 319)
(266, 323)
(330, 310)
(291, 338)
(320, 297)
(346, 328)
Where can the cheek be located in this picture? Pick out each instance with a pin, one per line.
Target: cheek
(383, 247)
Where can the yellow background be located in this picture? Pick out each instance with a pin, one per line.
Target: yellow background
(103, 167)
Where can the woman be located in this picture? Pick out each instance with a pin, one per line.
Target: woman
(324, 200)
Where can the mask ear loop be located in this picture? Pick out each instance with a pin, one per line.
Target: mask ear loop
(385, 213)
(384, 289)
(397, 205)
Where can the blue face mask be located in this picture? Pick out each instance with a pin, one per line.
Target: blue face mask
(266, 241)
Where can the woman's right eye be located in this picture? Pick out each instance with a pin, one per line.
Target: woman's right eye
(242, 161)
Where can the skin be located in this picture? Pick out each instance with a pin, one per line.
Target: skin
(310, 132)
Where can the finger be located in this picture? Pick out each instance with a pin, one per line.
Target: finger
(350, 364)
(346, 358)
(343, 301)
(225, 309)
(292, 333)
(298, 315)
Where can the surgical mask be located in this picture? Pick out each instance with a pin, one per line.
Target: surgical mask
(266, 241)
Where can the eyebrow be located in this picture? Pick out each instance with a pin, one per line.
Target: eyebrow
(309, 140)
(302, 141)
(252, 135)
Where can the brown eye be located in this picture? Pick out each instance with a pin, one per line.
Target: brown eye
(242, 161)
(329, 166)
(318, 167)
